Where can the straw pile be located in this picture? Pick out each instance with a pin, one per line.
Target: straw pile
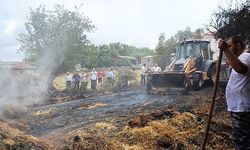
(11, 138)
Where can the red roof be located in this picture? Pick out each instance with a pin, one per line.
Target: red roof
(23, 66)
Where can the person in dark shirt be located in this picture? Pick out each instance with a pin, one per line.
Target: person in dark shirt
(77, 78)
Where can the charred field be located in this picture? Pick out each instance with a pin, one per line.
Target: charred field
(128, 119)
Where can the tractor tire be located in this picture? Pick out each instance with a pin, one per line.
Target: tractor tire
(186, 86)
(212, 73)
(197, 82)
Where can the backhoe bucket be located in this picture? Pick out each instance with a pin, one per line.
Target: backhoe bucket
(159, 83)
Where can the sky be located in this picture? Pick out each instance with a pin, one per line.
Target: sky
(134, 22)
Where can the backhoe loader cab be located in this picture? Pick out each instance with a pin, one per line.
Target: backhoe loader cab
(197, 49)
(192, 67)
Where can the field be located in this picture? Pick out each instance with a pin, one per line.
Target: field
(125, 119)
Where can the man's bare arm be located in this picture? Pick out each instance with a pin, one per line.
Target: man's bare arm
(234, 61)
(236, 64)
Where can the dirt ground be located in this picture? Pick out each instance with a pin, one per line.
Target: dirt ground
(128, 120)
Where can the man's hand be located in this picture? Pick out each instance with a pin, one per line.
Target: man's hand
(222, 45)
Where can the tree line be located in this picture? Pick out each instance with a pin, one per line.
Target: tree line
(103, 55)
(58, 39)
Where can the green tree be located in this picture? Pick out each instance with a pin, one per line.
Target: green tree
(104, 55)
(161, 47)
(55, 40)
(232, 21)
(90, 58)
(165, 46)
(128, 50)
(183, 34)
(198, 34)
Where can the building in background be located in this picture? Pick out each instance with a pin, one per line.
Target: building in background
(148, 61)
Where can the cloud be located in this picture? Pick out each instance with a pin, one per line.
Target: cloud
(9, 53)
(11, 26)
(9, 45)
(137, 22)
(132, 21)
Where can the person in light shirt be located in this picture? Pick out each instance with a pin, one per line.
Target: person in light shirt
(84, 82)
(238, 90)
(93, 79)
(156, 68)
(166, 69)
(143, 74)
(68, 80)
(111, 77)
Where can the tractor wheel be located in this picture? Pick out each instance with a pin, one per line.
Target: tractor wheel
(186, 86)
(197, 84)
(213, 77)
(212, 73)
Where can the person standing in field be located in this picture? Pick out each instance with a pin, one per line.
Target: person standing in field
(143, 74)
(76, 77)
(156, 68)
(84, 82)
(111, 77)
(68, 80)
(100, 75)
(93, 79)
(238, 90)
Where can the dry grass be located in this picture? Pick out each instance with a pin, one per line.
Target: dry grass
(168, 132)
(182, 130)
(59, 82)
(11, 138)
(91, 105)
(44, 112)
(6, 129)
(143, 138)
(104, 126)
(95, 105)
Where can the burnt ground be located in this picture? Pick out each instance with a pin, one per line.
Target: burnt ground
(67, 116)
(56, 123)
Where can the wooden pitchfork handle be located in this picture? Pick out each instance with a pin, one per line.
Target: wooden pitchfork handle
(213, 100)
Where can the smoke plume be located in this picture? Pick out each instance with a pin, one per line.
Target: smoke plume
(25, 84)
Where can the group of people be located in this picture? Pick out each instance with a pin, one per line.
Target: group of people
(73, 82)
(78, 82)
(154, 69)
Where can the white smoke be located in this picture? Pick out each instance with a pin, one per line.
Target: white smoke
(28, 84)
(52, 41)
